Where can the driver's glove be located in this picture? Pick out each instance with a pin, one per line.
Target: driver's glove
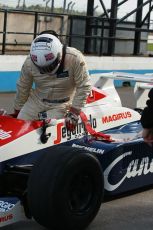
(72, 118)
(15, 114)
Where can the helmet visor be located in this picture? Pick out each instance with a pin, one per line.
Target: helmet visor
(49, 68)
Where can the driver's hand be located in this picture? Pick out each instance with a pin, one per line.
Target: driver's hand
(15, 114)
(71, 119)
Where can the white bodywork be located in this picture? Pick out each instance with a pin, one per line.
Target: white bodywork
(143, 83)
(103, 114)
(11, 212)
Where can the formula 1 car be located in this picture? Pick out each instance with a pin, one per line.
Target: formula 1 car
(60, 177)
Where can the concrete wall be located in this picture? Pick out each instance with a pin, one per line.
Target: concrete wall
(11, 65)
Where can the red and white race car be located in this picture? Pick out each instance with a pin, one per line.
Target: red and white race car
(60, 178)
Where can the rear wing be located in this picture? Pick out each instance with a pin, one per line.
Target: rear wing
(143, 83)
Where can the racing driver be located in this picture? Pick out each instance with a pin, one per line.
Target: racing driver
(54, 78)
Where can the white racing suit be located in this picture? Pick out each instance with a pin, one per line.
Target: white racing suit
(54, 93)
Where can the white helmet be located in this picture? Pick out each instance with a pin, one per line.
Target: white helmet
(46, 52)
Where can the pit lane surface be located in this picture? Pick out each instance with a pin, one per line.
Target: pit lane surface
(130, 212)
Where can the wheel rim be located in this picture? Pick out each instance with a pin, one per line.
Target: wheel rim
(81, 191)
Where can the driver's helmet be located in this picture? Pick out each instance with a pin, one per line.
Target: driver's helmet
(46, 53)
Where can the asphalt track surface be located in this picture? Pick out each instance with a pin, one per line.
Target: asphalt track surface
(131, 212)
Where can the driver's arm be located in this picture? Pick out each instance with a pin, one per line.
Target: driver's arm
(82, 81)
(24, 85)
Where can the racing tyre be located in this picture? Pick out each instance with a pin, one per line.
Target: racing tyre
(65, 188)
